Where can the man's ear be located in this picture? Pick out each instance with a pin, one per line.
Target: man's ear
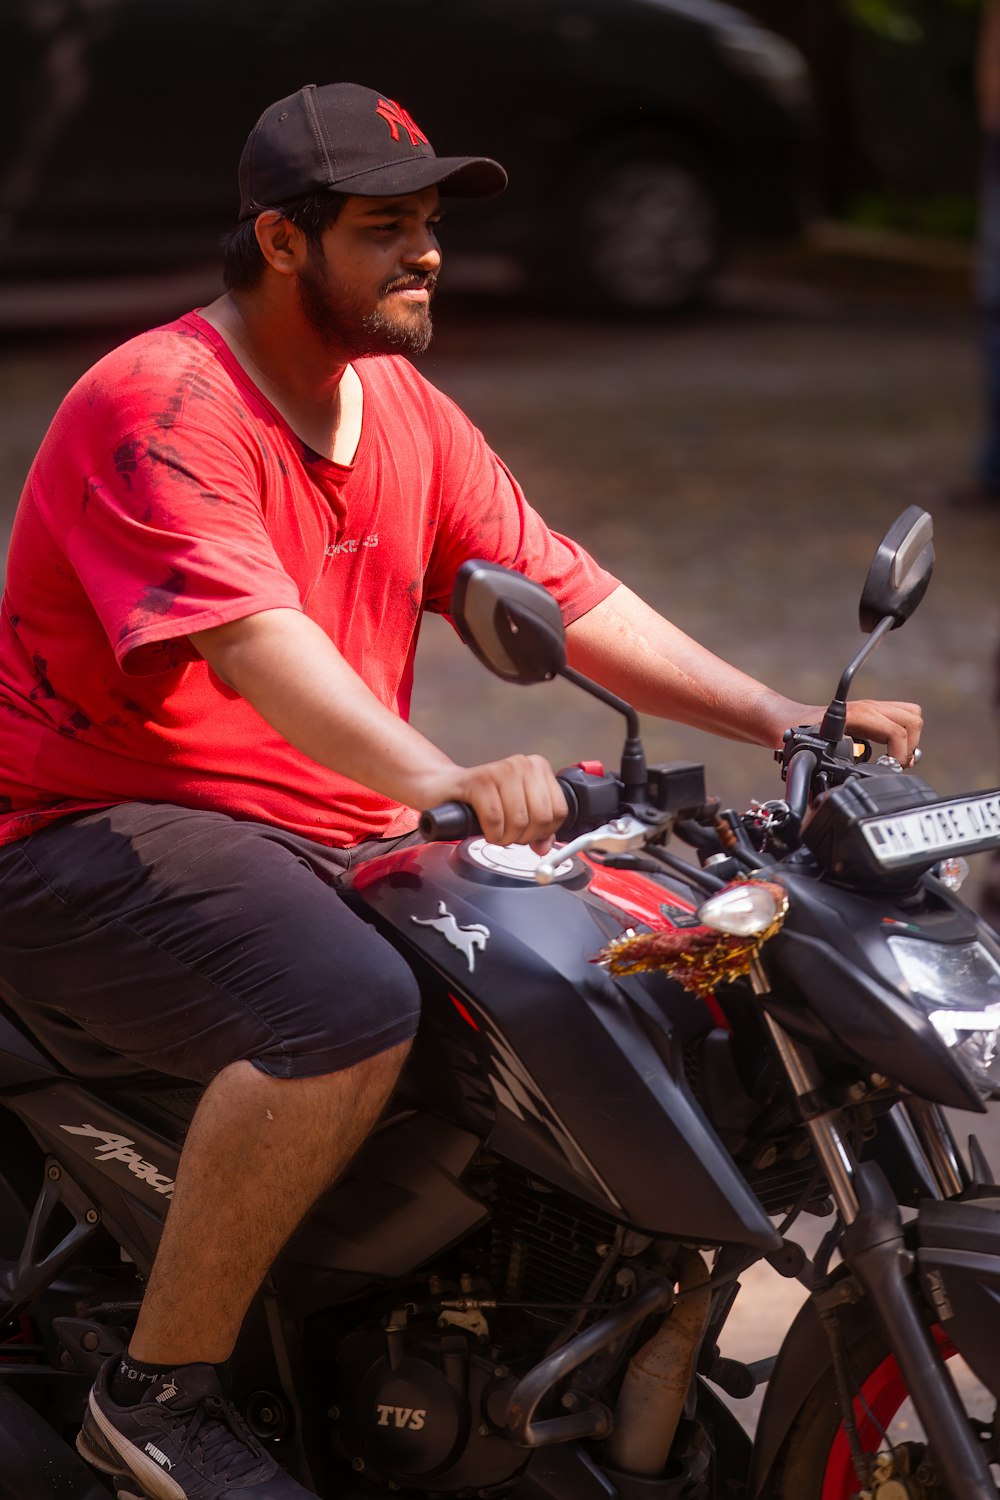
(282, 243)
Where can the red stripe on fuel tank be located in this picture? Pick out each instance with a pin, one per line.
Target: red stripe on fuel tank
(636, 896)
(462, 1010)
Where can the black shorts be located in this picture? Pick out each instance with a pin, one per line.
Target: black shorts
(185, 940)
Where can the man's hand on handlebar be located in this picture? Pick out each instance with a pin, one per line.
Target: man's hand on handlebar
(517, 800)
(895, 725)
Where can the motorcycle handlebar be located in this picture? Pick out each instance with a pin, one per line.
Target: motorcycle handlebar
(591, 800)
(798, 781)
(448, 822)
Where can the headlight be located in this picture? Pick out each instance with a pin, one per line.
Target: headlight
(768, 60)
(958, 987)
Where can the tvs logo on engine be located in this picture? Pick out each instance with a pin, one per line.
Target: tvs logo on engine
(401, 1416)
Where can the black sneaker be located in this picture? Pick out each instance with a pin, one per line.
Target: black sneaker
(183, 1441)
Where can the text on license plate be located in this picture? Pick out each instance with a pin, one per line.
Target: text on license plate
(944, 828)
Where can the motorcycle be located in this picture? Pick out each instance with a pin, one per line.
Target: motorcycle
(635, 1070)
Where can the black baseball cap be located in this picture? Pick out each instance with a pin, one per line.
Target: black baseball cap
(345, 138)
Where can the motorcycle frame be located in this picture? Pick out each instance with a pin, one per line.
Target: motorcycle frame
(879, 1272)
(872, 1244)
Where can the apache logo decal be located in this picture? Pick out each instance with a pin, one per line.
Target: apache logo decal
(119, 1148)
(465, 939)
(395, 117)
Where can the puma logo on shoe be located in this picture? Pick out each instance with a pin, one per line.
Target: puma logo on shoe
(151, 1454)
(158, 1454)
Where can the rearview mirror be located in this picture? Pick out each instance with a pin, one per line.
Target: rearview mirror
(900, 571)
(514, 626)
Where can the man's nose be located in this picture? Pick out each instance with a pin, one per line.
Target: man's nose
(425, 252)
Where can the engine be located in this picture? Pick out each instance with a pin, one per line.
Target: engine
(421, 1394)
(422, 1403)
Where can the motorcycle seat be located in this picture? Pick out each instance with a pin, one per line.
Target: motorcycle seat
(74, 1051)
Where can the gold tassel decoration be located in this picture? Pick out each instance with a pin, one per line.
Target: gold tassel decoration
(699, 958)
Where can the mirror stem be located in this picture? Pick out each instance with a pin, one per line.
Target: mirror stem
(596, 691)
(634, 777)
(835, 718)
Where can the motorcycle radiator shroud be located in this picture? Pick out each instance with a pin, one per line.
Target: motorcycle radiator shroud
(525, 1040)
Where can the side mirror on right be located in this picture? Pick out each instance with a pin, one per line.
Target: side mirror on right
(900, 571)
(897, 581)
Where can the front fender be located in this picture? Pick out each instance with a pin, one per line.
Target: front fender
(959, 1263)
(803, 1360)
(958, 1259)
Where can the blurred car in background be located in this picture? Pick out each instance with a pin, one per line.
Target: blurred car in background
(641, 136)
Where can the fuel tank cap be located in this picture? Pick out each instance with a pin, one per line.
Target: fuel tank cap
(515, 861)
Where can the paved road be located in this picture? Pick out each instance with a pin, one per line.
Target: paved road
(737, 469)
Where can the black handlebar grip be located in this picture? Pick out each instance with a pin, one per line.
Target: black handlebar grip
(456, 820)
(448, 821)
(799, 780)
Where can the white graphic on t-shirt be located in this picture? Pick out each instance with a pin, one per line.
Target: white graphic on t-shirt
(355, 544)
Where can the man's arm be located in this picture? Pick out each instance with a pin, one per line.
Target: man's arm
(289, 670)
(624, 644)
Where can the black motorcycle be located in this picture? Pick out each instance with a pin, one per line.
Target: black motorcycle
(634, 1072)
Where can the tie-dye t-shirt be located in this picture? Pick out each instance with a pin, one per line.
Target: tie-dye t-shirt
(170, 496)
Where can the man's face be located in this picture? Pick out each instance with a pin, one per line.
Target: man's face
(367, 285)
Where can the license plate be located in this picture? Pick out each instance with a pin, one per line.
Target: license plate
(963, 825)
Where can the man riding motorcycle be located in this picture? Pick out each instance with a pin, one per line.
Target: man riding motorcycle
(216, 578)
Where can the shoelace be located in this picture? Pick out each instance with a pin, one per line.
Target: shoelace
(222, 1440)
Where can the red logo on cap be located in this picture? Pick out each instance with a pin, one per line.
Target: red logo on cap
(395, 116)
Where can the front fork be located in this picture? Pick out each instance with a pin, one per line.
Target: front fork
(873, 1249)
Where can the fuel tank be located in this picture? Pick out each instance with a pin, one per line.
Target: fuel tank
(528, 1043)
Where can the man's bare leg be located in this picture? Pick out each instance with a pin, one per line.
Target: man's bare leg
(259, 1152)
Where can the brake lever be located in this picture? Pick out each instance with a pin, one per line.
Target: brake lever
(890, 763)
(617, 837)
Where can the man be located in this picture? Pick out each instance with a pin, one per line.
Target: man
(215, 582)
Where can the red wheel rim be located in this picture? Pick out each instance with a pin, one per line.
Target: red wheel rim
(882, 1394)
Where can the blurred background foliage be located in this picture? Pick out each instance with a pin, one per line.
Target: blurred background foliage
(898, 137)
(897, 20)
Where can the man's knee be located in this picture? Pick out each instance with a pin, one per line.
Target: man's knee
(372, 1080)
(369, 1075)
(354, 1018)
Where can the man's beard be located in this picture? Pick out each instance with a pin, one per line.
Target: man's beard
(343, 325)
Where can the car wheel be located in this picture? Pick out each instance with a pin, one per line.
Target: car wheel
(648, 229)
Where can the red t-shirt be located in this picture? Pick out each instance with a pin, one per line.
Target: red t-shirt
(169, 496)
